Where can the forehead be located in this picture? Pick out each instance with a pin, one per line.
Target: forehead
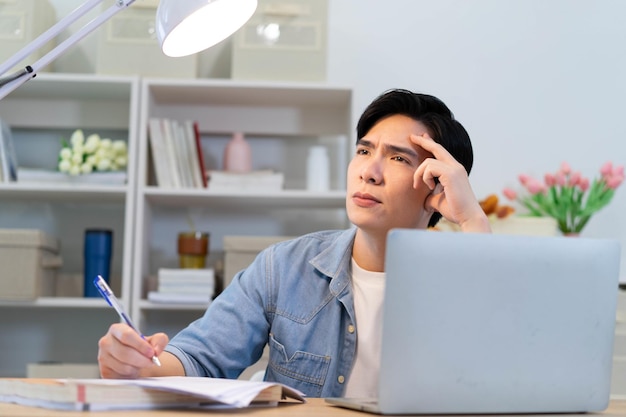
(397, 126)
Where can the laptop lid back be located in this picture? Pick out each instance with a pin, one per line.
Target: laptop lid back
(481, 323)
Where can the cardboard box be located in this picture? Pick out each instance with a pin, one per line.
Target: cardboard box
(30, 259)
(240, 251)
(21, 21)
(127, 45)
(62, 370)
(285, 40)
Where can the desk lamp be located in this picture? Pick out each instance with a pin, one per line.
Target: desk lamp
(184, 27)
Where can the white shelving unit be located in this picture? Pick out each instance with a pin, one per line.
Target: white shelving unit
(42, 111)
(280, 122)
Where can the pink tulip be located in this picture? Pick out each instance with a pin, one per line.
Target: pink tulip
(535, 187)
(583, 184)
(606, 169)
(560, 179)
(510, 194)
(574, 179)
(524, 179)
(614, 181)
(565, 168)
(618, 171)
(549, 180)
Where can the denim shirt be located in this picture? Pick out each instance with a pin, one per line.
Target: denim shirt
(296, 297)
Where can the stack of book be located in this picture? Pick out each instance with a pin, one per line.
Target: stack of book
(176, 153)
(186, 392)
(193, 286)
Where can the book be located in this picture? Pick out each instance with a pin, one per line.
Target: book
(179, 298)
(186, 275)
(144, 393)
(182, 154)
(8, 158)
(184, 285)
(194, 159)
(196, 131)
(261, 180)
(171, 153)
(159, 150)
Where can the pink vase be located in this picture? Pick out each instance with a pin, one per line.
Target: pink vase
(237, 155)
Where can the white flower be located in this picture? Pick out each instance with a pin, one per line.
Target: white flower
(92, 143)
(86, 168)
(77, 137)
(83, 156)
(104, 164)
(121, 161)
(77, 158)
(106, 143)
(66, 154)
(119, 147)
(101, 154)
(64, 165)
(74, 170)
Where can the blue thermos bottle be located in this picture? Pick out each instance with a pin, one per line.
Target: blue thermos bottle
(97, 258)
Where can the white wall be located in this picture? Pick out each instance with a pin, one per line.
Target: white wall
(535, 82)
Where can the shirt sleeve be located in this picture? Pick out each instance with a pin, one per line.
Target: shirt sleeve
(234, 329)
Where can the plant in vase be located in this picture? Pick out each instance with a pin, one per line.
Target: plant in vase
(567, 196)
(83, 156)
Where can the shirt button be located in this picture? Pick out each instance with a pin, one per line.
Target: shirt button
(350, 329)
(341, 379)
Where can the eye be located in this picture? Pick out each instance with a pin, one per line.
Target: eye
(362, 151)
(400, 159)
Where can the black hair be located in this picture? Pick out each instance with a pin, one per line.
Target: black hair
(430, 111)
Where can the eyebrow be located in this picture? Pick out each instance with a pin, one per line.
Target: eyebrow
(393, 148)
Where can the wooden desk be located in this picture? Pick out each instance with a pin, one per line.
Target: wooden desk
(314, 407)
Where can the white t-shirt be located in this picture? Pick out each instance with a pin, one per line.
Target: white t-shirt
(368, 289)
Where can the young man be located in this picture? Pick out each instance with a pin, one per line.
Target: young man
(317, 300)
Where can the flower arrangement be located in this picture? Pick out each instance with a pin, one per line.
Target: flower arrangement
(83, 156)
(567, 196)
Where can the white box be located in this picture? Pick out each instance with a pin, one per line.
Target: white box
(21, 21)
(240, 251)
(29, 260)
(283, 40)
(127, 45)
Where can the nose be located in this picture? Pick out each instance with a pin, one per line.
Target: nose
(371, 172)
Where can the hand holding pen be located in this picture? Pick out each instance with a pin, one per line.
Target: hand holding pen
(110, 298)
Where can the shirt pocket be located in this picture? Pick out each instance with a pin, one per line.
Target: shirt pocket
(303, 371)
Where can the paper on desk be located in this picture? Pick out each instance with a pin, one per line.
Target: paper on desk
(230, 392)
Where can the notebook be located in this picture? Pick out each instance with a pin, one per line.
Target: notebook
(485, 323)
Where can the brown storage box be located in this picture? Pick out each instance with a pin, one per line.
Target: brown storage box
(240, 251)
(29, 259)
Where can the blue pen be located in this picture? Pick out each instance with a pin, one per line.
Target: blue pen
(108, 295)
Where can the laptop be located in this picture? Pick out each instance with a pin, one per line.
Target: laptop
(486, 323)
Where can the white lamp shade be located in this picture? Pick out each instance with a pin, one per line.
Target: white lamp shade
(185, 27)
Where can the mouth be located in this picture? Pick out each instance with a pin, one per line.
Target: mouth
(365, 200)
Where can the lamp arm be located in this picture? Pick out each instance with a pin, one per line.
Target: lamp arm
(12, 82)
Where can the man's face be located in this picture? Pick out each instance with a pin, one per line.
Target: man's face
(380, 178)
